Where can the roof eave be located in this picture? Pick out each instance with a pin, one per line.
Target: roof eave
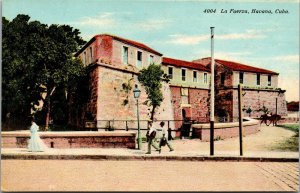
(204, 69)
(272, 73)
(85, 46)
(124, 41)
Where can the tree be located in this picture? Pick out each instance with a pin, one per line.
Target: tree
(37, 58)
(249, 110)
(151, 78)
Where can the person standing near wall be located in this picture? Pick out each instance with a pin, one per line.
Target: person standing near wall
(164, 140)
(151, 133)
(35, 143)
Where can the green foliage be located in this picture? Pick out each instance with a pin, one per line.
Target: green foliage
(264, 109)
(36, 58)
(126, 87)
(292, 127)
(290, 144)
(151, 78)
(249, 111)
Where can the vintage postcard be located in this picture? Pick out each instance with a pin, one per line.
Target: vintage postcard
(150, 95)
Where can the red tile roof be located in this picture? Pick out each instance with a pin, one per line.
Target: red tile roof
(240, 67)
(185, 64)
(127, 41)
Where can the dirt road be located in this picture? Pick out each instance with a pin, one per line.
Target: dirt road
(85, 175)
(266, 138)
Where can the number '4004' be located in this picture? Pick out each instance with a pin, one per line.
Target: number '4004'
(209, 11)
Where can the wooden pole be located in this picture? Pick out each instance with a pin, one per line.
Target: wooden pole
(240, 101)
(212, 94)
(276, 105)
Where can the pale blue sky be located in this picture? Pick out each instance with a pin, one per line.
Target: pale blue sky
(181, 30)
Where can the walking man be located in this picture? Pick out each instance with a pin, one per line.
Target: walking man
(164, 140)
(151, 133)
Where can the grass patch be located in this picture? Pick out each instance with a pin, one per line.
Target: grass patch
(292, 127)
(290, 144)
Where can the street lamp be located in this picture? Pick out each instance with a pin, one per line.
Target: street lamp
(136, 94)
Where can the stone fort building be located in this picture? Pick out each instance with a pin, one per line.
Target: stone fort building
(114, 64)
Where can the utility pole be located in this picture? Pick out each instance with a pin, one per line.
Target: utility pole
(212, 94)
(240, 101)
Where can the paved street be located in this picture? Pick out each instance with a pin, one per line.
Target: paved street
(80, 173)
(86, 175)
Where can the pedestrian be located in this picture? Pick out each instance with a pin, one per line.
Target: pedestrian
(164, 139)
(151, 133)
(35, 143)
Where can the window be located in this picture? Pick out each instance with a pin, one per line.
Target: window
(205, 78)
(91, 54)
(170, 72)
(139, 59)
(257, 79)
(241, 77)
(269, 80)
(194, 76)
(125, 55)
(151, 59)
(84, 58)
(184, 96)
(183, 74)
(184, 92)
(222, 79)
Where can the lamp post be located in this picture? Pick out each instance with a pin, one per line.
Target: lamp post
(136, 94)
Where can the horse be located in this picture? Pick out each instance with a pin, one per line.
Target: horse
(264, 118)
(271, 118)
(274, 119)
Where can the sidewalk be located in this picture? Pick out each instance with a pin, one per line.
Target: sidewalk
(131, 154)
(256, 147)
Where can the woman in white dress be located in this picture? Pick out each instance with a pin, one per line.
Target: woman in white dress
(35, 143)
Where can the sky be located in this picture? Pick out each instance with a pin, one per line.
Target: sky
(181, 29)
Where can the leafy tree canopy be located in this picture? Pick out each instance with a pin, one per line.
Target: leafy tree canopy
(151, 78)
(36, 58)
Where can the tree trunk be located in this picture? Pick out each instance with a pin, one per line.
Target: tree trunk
(48, 108)
(152, 112)
(47, 115)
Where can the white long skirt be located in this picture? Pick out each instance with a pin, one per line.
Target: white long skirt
(35, 143)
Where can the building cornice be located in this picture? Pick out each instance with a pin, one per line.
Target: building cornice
(193, 87)
(268, 89)
(126, 68)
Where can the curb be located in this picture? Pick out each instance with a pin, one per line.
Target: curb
(145, 158)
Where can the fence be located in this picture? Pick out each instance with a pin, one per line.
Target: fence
(173, 126)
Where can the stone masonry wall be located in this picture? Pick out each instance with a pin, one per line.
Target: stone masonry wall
(224, 133)
(176, 102)
(117, 56)
(224, 105)
(74, 140)
(199, 103)
(256, 99)
(93, 83)
(104, 49)
(220, 69)
(111, 96)
(223, 100)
